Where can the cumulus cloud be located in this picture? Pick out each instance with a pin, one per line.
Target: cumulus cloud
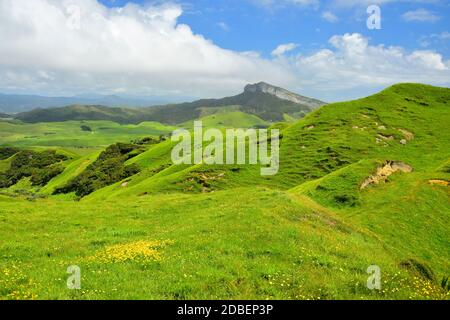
(50, 44)
(283, 48)
(144, 50)
(352, 62)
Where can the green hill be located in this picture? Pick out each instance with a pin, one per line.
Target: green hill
(360, 183)
(229, 119)
(76, 134)
(341, 134)
(262, 100)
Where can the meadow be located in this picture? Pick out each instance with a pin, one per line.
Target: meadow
(226, 232)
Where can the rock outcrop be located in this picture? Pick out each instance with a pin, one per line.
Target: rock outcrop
(384, 171)
(284, 94)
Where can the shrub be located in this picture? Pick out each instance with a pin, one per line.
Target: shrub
(150, 140)
(108, 169)
(41, 167)
(7, 152)
(86, 128)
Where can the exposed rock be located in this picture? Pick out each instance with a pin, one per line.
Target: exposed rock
(386, 138)
(310, 127)
(284, 94)
(384, 171)
(439, 182)
(381, 128)
(408, 135)
(124, 184)
(403, 141)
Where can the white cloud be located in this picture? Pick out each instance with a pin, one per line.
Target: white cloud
(435, 38)
(352, 62)
(142, 49)
(420, 15)
(330, 16)
(283, 48)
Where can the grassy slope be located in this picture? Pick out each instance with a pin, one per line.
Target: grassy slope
(246, 243)
(256, 242)
(5, 164)
(69, 134)
(338, 135)
(230, 119)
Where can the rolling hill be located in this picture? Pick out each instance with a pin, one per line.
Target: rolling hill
(361, 183)
(262, 100)
(15, 103)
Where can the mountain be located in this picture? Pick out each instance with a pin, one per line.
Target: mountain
(4, 115)
(83, 112)
(284, 94)
(10, 103)
(268, 102)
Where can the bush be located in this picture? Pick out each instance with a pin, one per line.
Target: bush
(7, 152)
(108, 169)
(41, 167)
(86, 128)
(150, 140)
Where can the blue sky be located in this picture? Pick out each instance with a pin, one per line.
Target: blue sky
(205, 48)
(247, 25)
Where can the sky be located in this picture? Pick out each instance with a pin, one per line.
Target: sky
(213, 48)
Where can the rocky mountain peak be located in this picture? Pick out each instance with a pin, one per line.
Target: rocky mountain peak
(263, 87)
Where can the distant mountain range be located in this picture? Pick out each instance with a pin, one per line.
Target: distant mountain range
(10, 103)
(268, 102)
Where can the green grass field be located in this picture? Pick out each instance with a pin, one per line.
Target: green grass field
(70, 134)
(226, 232)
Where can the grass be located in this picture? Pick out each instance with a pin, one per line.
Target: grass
(70, 134)
(225, 232)
(248, 243)
(229, 119)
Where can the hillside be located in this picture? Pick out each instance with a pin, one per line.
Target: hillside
(83, 112)
(15, 103)
(261, 100)
(361, 183)
(341, 134)
(81, 135)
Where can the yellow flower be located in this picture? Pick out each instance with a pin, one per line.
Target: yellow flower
(135, 251)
